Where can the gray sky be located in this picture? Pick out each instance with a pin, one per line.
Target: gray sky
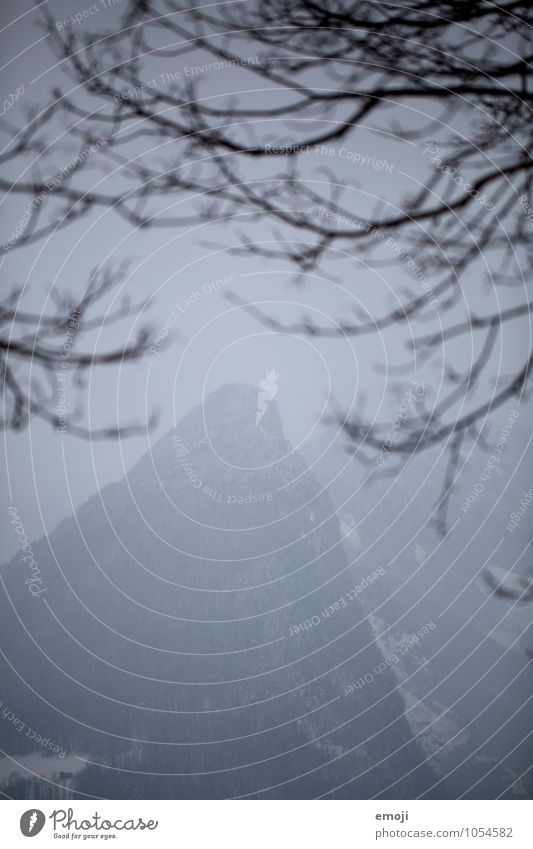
(213, 341)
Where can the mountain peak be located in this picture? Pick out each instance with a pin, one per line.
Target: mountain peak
(233, 409)
(251, 407)
(236, 424)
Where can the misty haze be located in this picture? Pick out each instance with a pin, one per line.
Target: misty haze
(266, 401)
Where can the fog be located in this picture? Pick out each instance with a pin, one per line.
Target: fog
(245, 599)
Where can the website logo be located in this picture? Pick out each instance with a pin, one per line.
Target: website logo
(268, 388)
(32, 822)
